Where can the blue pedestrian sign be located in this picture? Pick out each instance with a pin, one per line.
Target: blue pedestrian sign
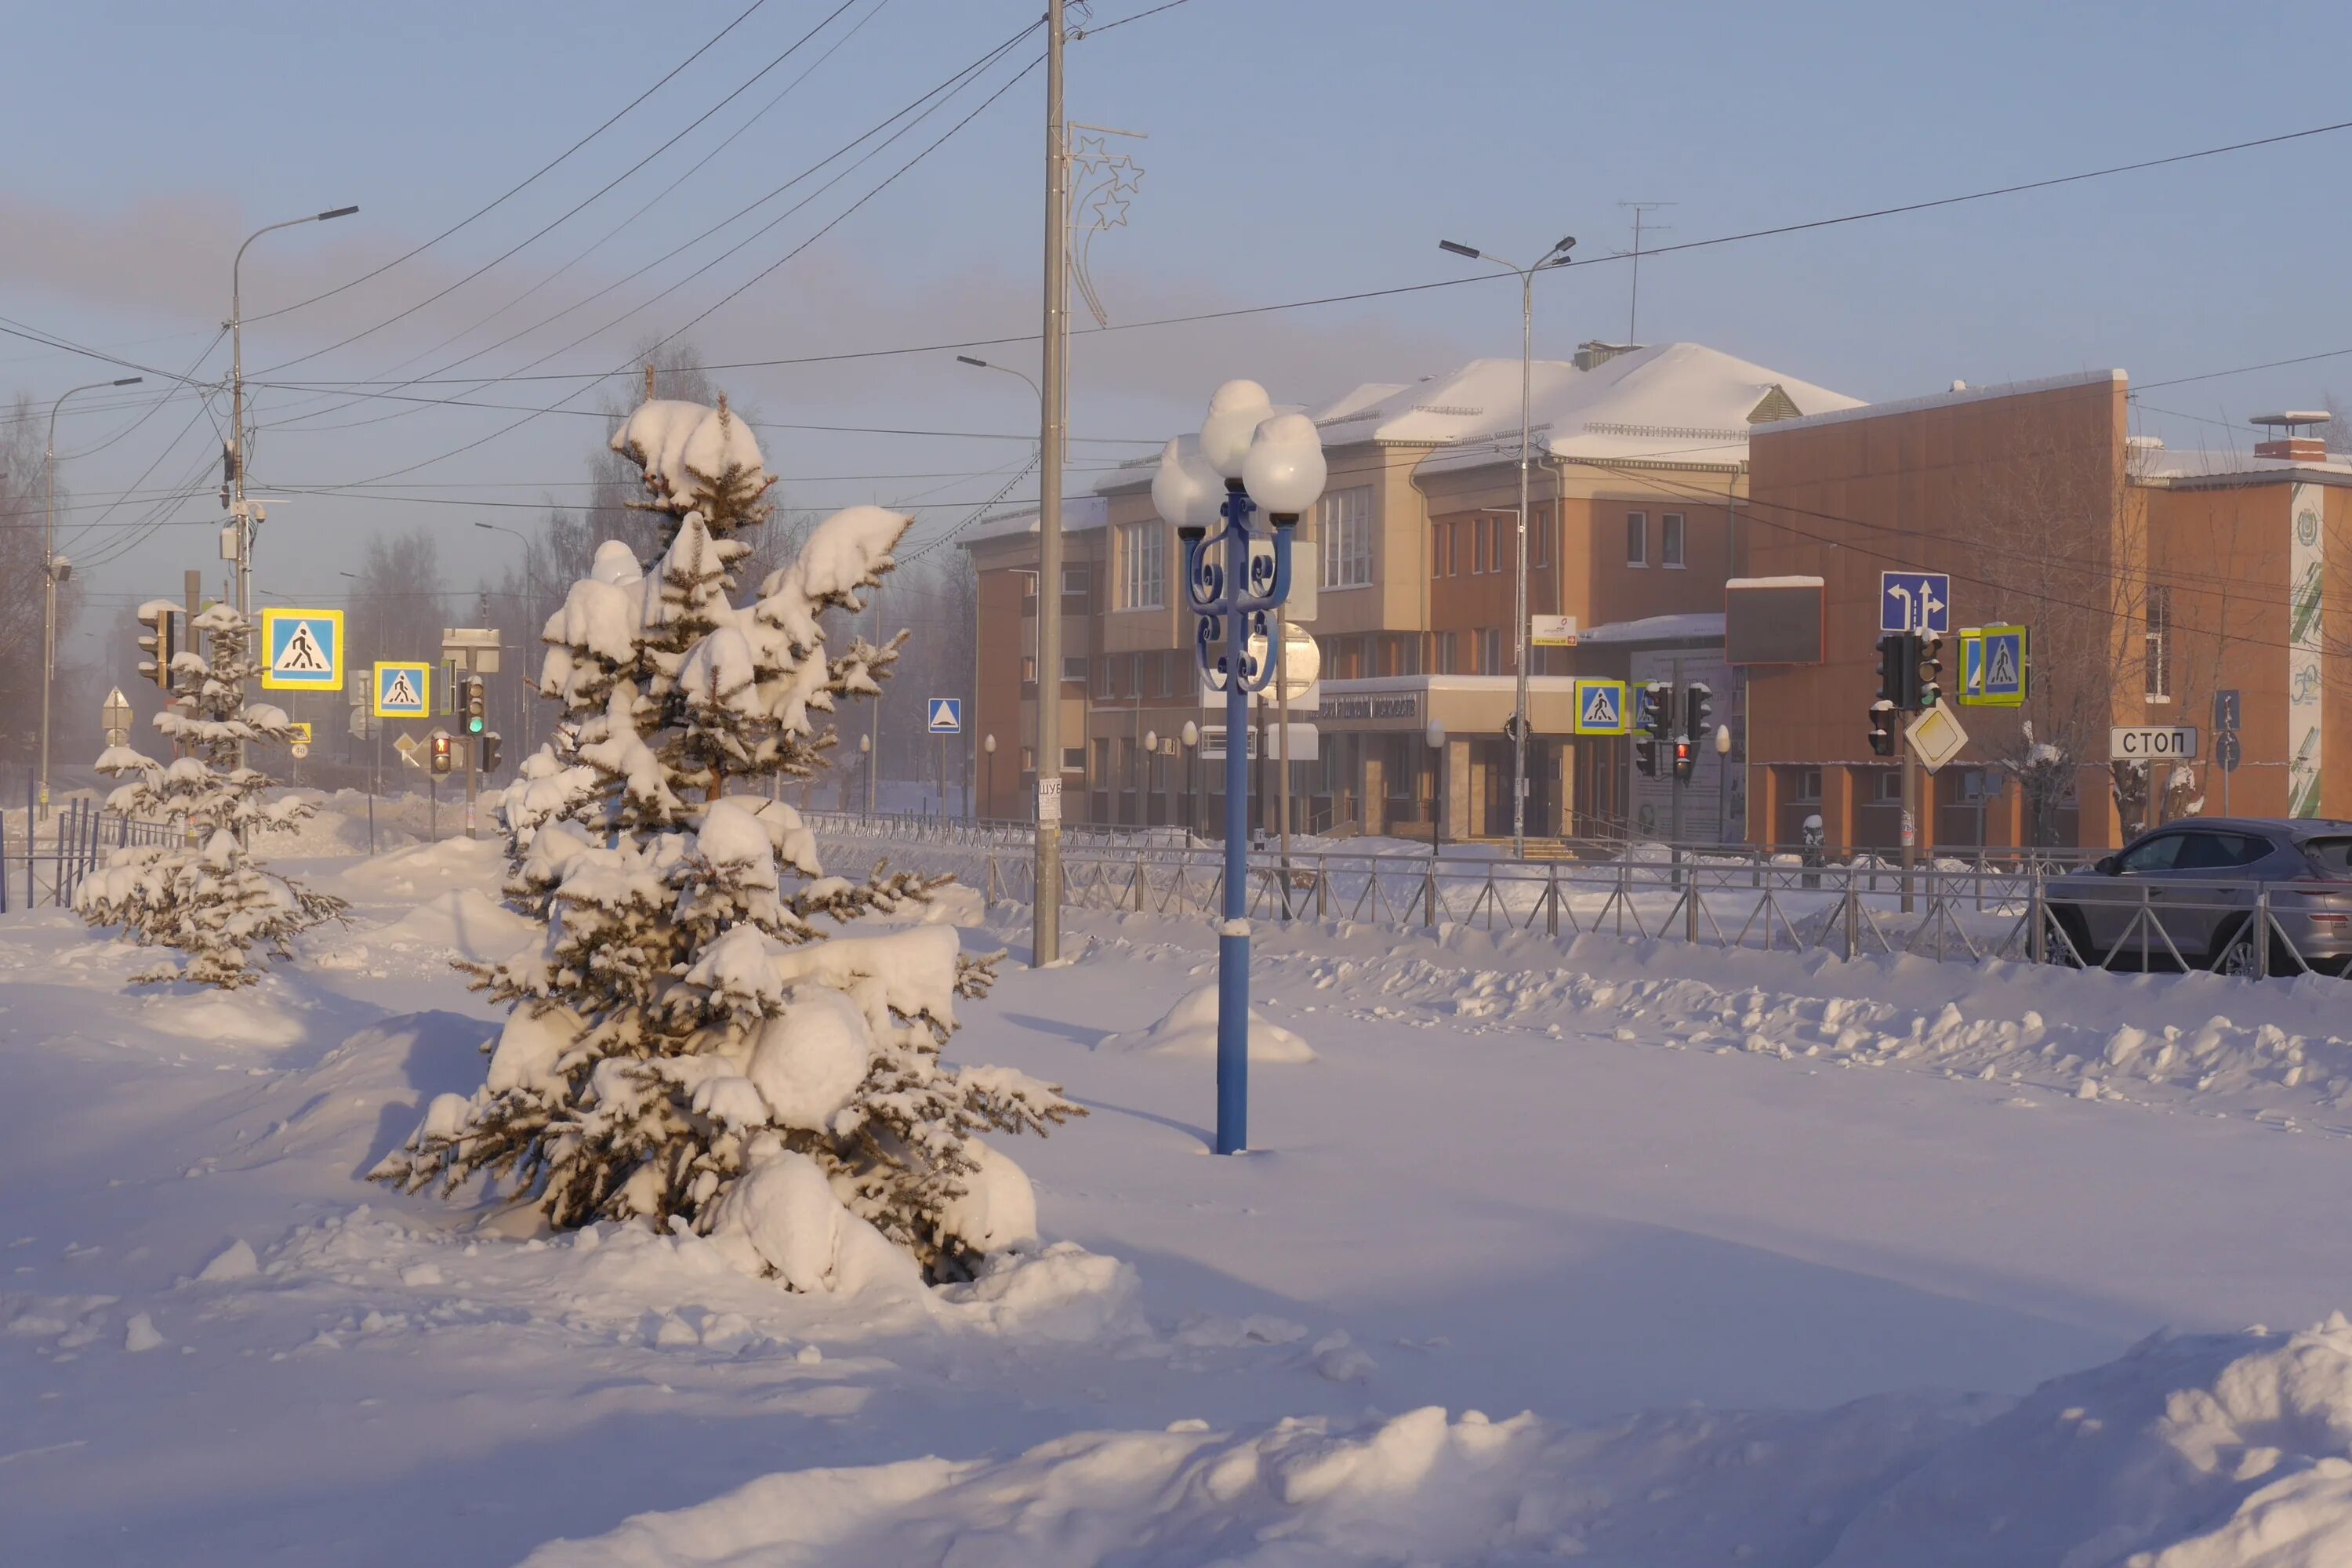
(1915, 602)
(404, 690)
(303, 649)
(1600, 708)
(947, 715)
(2004, 684)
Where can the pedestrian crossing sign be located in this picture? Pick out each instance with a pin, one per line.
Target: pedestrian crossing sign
(1600, 708)
(402, 691)
(304, 650)
(1995, 667)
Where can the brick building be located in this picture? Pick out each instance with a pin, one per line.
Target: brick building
(2150, 578)
(1640, 469)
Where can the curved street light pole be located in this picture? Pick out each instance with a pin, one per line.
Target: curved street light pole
(1556, 255)
(522, 664)
(49, 577)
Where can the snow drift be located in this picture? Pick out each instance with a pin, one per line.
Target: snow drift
(1190, 1029)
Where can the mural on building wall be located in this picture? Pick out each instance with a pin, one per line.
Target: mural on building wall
(2306, 570)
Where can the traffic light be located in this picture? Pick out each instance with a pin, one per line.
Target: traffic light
(159, 639)
(1686, 759)
(1929, 671)
(440, 753)
(1881, 728)
(1649, 721)
(1699, 702)
(1512, 726)
(1894, 661)
(490, 753)
(477, 704)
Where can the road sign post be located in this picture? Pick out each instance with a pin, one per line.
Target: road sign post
(2228, 710)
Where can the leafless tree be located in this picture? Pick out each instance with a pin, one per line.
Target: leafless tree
(23, 496)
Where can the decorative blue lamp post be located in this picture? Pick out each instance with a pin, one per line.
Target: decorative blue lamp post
(1235, 576)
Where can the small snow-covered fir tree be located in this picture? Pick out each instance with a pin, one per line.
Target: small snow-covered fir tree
(207, 897)
(687, 1045)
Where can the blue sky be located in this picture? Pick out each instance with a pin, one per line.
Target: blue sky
(1296, 148)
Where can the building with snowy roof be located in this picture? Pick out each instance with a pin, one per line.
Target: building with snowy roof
(1639, 461)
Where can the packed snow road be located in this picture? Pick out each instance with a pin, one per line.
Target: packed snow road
(1870, 1203)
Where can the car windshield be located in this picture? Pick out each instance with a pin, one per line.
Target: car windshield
(2332, 856)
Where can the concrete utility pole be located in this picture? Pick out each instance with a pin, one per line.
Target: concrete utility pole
(232, 477)
(1045, 940)
(49, 578)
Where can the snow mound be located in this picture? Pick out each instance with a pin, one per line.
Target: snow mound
(223, 1017)
(425, 869)
(466, 922)
(2214, 1451)
(1190, 1029)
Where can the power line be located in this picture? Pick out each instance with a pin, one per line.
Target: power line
(528, 179)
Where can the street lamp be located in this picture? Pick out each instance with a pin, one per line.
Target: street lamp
(1555, 256)
(232, 477)
(1722, 784)
(1190, 736)
(55, 569)
(988, 749)
(865, 759)
(1435, 736)
(1273, 462)
(1150, 771)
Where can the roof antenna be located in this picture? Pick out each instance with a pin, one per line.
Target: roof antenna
(1633, 305)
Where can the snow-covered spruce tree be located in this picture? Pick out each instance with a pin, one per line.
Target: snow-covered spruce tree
(688, 1046)
(206, 896)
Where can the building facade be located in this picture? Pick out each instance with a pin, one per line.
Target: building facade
(2152, 582)
(1408, 567)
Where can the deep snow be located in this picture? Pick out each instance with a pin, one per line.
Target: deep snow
(1771, 1248)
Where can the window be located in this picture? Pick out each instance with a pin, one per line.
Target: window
(1028, 669)
(2333, 857)
(1453, 549)
(1142, 566)
(1106, 678)
(1074, 759)
(1438, 536)
(1073, 580)
(1806, 785)
(1670, 540)
(2158, 639)
(1343, 521)
(2156, 854)
(1637, 539)
(1073, 667)
(1540, 540)
(1445, 653)
(1491, 656)
(1102, 762)
(1028, 759)
(1887, 786)
(2219, 851)
(1480, 529)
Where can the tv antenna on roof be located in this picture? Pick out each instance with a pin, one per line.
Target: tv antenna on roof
(1641, 210)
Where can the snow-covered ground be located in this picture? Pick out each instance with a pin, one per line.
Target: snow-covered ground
(1790, 1261)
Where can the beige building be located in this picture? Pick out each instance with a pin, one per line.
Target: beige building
(1639, 474)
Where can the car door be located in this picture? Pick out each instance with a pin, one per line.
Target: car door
(2206, 890)
(2111, 910)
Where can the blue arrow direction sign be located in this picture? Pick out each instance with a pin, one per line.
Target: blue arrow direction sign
(1915, 602)
(947, 715)
(304, 650)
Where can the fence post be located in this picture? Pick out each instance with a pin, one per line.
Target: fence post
(1322, 888)
(1429, 892)
(1551, 898)
(1690, 903)
(2261, 934)
(2037, 941)
(1853, 915)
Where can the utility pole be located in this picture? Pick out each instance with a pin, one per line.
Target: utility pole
(1045, 940)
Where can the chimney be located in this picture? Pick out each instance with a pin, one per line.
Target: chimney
(1591, 355)
(2293, 436)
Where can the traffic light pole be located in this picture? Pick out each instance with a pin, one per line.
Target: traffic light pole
(1674, 716)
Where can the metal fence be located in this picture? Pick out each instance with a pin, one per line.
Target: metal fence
(2022, 910)
(40, 867)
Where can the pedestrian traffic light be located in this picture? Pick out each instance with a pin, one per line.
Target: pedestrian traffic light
(490, 753)
(1699, 702)
(440, 753)
(1893, 658)
(1645, 754)
(476, 706)
(1686, 759)
(1930, 670)
(159, 638)
(1881, 728)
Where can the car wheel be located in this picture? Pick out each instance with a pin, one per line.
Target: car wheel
(2070, 938)
(2235, 953)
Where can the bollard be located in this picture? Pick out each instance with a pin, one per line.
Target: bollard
(1815, 853)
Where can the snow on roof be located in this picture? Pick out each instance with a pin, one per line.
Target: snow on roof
(2191, 466)
(1481, 398)
(1960, 394)
(1079, 514)
(1693, 625)
(1670, 404)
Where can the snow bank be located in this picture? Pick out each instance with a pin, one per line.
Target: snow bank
(465, 923)
(1190, 1029)
(421, 869)
(2217, 1451)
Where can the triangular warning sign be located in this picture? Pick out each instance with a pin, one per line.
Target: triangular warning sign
(302, 654)
(401, 693)
(2000, 666)
(1600, 708)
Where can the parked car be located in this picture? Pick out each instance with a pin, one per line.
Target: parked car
(2186, 893)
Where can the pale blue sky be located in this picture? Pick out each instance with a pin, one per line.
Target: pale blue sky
(1297, 148)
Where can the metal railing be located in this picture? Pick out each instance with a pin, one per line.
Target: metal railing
(1956, 911)
(76, 842)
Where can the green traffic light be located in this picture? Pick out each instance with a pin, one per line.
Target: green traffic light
(474, 724)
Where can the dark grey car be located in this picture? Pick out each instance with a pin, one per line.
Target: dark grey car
(2186, 893)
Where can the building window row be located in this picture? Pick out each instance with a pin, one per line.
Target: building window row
(1673, 528)
(1343, 522)
(1142, 566)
